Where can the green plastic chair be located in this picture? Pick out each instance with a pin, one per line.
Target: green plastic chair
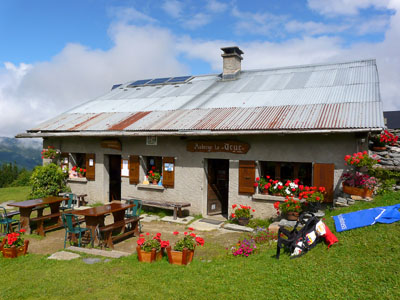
(69, 205)
(8, 222)
(134, 211)
(71, 225)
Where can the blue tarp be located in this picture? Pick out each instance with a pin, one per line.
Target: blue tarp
(367, 217)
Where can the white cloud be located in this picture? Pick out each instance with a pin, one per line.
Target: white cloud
(216, 6)
(196, 21)
(130, 15)
(345, 7)
(314, 28)
(32, 94)
(173, 8)
(257, 23)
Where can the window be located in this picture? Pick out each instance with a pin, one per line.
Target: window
(77, 163)
(159, 168)
(284, 171)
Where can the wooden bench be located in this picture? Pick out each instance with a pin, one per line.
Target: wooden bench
(176, 206)
(12, 213)
(120, 225)
(40, 223)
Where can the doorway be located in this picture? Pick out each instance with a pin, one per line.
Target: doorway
(217, 186)
(114, 169)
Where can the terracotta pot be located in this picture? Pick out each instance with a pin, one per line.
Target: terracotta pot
(179, 257)
(379, 149)
(264, 192)
(14, 252)
(149, 257)
(277, 194)
(362, 192)
(80, 175)
(155, 182)
(243, 221)
(292, 215)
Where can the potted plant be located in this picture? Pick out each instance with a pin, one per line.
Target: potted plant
(50, 154)
(314, 197)
(382, 140)
(358, 184)
(183, 250)
(361, 161)
(79, 171)
(149, 249)
(276, 187)
(290, 208)
(262, 184)
(153, 176)
(13, 245)
(242, 214)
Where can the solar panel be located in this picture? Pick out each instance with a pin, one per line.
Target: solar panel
(159, 80)
(115, 86)
(179, 79)
(140, 82)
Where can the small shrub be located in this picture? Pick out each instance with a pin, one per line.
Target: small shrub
(48, 180)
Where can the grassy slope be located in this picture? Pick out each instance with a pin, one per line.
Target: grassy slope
(14, 193)
(364, 265)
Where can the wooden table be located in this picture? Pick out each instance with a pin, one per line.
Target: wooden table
(26, 207)
(95, 216)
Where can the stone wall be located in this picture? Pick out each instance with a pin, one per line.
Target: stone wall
(190, 176)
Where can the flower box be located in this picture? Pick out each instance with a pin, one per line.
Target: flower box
(149, 257)
(362, 192)
(14, 252)
(179, 257)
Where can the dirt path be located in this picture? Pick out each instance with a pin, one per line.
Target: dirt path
(216, 241)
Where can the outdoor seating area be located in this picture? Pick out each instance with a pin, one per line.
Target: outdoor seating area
(83, 226)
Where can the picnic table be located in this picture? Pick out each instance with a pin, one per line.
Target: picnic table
(95, 216)
(26, 208)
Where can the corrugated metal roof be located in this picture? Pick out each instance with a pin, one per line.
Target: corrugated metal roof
(333, 96)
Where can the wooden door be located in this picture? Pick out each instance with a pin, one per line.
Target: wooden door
(217, 186)
(323, 175)
(115, 177)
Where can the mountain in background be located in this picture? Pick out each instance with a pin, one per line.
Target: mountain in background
(25, 153)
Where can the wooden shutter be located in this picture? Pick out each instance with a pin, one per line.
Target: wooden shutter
(247, 176)
(323, 175)
(134, 166)
(168, 176)
(90, 170)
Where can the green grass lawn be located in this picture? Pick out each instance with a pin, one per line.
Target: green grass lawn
(19, 193)
(365, 264)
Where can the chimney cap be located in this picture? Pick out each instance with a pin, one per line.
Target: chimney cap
(232, 50)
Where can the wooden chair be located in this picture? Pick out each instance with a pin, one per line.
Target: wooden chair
(134, 211)
(69, 205)
(8, 222)
(71, 225)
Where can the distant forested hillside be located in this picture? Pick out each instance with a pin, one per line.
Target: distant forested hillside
(26, 153)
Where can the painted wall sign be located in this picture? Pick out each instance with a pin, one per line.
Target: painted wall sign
(218, 146)
(112, 144)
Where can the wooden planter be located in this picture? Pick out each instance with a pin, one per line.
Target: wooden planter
(148, 257)
(357, 191)
(292, 215)
(179, 257)
(14, 252)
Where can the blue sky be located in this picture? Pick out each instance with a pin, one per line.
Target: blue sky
(57, 54)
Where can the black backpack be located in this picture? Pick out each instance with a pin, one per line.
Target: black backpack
(298, 238)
